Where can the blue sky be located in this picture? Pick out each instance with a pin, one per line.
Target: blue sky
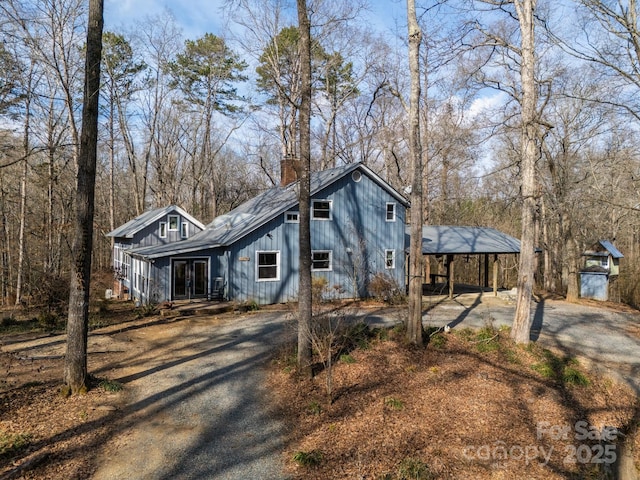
(197, 17)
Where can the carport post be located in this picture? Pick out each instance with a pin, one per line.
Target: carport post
(496, 264)
(450, 274)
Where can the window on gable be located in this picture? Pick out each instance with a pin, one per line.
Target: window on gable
(391, 212)
(184, 230)
(163, 229)
(390, 259)
(174, 220)
(291, 217)
(321, 209)
(267, 266)
(321, 260)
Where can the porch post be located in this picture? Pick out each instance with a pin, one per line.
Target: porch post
(496, 265)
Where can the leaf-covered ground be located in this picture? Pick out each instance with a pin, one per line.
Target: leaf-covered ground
(471, 405)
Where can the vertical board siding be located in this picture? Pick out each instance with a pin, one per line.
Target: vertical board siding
(149, 236)
(358, 224)
(357, 235)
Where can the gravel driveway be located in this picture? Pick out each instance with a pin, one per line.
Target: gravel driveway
(602, 338)
(200, 409)
(199, 406)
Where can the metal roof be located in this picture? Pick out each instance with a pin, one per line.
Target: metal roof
(129, 229)
(247, 217)
(607, 245)
(453, 240)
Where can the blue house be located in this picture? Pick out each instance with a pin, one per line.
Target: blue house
(153, 228)
(251, 253)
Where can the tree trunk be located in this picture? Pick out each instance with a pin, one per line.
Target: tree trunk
(304, 168)
(75, 365)
(520, 331)
(112, 166)
(4, 246)
(23, 204)
(414, 323)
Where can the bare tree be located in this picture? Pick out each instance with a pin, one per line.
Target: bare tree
(520, 331)
(414, 323)
(304, 192)
(522, 59)
(75, 365)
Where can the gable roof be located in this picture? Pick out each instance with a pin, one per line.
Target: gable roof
(252, 214)
(610, 249)
(453, 240)
(129, 229)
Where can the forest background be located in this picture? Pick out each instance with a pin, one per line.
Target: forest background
(203, 122)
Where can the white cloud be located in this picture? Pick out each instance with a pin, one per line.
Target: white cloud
(195, 17)
(486, 104)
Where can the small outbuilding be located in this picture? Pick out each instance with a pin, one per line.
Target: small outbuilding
(601, 269)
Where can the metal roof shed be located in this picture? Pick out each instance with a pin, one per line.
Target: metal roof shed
(450, 240)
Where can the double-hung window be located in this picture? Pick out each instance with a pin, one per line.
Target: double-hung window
(390, 259)
(391, 212)
(321, 260)
(174, 221)
(321, 209)
(267, 266)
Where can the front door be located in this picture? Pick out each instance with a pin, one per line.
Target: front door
(190, 278)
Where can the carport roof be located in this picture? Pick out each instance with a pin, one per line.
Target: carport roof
(455, 240)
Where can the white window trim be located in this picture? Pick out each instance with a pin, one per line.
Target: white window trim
(184, 230)
(330, 252)
(163, 229)
(292, 212)
(330, 202)
(169, 218)
(386, 212)
(277, 278)
(393, 259)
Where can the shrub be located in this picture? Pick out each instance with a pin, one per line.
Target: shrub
(308, 459)
(414, 469)
(383, 287)
(487, 339)
(314, 408)
(110, 385)
(147, 309)
(574, 376)
(394, 403)
(319, 289)
(346, 358)
(47, 319)
(12, 442)
(356, 336)
(8, 322)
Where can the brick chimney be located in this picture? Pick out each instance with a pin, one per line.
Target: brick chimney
(288, 173)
